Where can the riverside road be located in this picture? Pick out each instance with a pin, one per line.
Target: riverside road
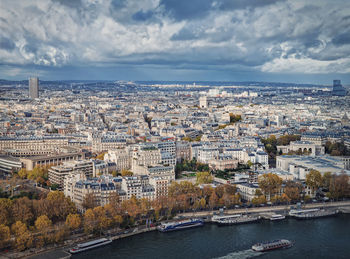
(337, 205)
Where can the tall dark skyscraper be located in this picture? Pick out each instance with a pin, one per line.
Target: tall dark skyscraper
(33, 87)
(338, 89)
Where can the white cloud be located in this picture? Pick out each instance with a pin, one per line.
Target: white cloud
(284, 37)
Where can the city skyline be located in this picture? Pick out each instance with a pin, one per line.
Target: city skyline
(305, 42)
(123, 118)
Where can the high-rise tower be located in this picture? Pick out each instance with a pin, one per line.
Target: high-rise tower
(203, 102)
(33, 87)
(338, 89)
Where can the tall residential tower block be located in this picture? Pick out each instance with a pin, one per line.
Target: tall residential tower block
(33, 87)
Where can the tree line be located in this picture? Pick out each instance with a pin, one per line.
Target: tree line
(190, 165)
(336, 149)
(29, 223)
(33, 223)
(26, 223)
(272, 187)
(39, 174)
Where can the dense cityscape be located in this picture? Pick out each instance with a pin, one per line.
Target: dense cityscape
(87, 158)
(209, 129)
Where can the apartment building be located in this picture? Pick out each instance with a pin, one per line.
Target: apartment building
(58, 173)
(121, 157)
(77, 187)
(43, 143)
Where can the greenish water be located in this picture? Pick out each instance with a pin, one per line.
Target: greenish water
(318, 238)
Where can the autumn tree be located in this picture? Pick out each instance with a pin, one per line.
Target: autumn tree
(89, 221)
(229, 200)
(270, 184)
(184, 193)
(293, 189)
(145, 206)
(73, 221)
(41, 207)
(258, 192)
(22, 173)
(102, 220)
(22, 210)
(204, 178)
(158, 205)
(131, 206)
(184, 187)
(230, 189)
(43, 225)
(59, 235)
(206, 193)
(259, 200)
(101, 156)
(5, 211)
(314, 180)
(60, 206)
(201, 204)
(4, 236)
(38, 174)
(326, 180)
(114, 200)
(213, 200)
(114, 214)
(339, 186)
(280, 198)
(286, 139)
(89, 201)
(23, 238)
(126, 172)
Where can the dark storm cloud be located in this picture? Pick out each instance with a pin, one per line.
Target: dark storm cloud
(6, 44)
(254, 35)
(185, 34)
(142, 15)
(184, 9)
(117, 4)
(194, 9)
(242, 4)
(71, 3)
(342, 39)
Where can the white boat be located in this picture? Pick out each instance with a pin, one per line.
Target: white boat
(298, 212)
(234, 219)
(90, 245)
(272, 245)
(177, 225)
(311, 213)
(217, 218)
(277, 217)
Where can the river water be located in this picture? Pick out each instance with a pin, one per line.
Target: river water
(317, 238)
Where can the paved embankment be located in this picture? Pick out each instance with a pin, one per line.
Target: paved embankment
(337, 205)
(62, 253)
(135, 232)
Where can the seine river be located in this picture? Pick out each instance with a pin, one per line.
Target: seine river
(317, 238)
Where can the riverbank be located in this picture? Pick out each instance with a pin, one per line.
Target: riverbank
(336, 205)
(343, 206)
(63, 254)
(60, 251)
(314, 239)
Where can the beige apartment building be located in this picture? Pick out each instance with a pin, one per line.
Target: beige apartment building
(46, 143)
(58, 173)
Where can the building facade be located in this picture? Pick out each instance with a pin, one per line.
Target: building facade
(58, 173)
(33, 87)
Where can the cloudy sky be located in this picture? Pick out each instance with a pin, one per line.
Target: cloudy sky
(238, 40)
